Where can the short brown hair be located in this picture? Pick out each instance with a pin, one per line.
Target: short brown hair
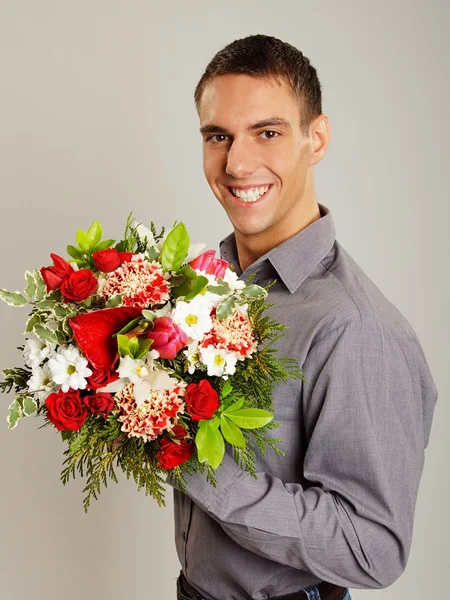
(266, 56)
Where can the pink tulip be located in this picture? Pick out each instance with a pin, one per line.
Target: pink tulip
(168, 338)
(203, 261)
(208, 263)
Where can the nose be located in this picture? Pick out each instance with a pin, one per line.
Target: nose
(241, 161)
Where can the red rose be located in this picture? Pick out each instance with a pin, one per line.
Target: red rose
(172, 454)
(100, 403)
(109, 259)
(100, 378)
(202, 400)
(55, 275)
(179, 432)
(79, 286)
(66, 410)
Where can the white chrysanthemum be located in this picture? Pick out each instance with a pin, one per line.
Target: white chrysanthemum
(40, 383)
(36, 351)
(193, 317)
(193, 356)
(233, 281)
(69, 369)
(220, 363)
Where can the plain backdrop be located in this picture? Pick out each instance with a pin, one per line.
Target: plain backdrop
(97, 119)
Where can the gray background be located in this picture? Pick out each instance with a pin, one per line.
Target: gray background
(97, 119)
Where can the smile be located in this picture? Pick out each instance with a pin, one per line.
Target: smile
(250, 194)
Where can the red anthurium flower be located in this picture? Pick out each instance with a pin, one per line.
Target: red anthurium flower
(93, 333)
(56, 274)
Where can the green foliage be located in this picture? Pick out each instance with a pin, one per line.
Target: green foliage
(97, 449)
(175, 248)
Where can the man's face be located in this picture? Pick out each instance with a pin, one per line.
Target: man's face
(241, 153)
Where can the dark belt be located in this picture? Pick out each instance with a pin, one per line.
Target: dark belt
(327, 591)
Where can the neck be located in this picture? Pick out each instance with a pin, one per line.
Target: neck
(251, 247)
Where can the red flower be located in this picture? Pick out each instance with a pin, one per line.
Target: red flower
(55, 275)
(66, 410)
(179, 432)
(109, 259)
(172, 454)
(201, 400)
(93, 333)
(100, 403)
(168, 338)
(100, 378)
(79, 285)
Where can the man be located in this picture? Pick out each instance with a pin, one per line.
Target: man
(337, 510)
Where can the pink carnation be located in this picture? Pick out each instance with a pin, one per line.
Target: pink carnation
(233, 334)
(158, 412)
(141, 282)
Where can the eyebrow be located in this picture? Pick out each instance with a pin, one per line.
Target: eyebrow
(272, 121)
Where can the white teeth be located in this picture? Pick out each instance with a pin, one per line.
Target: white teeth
(251, 194)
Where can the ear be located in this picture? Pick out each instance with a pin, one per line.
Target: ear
(320, 135)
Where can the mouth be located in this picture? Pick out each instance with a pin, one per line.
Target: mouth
(250, 195)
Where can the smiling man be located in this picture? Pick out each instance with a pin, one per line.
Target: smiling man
(337, 510)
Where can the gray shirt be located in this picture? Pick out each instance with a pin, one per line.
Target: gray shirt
(339, 506)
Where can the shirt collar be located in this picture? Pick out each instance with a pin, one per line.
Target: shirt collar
(295, 258)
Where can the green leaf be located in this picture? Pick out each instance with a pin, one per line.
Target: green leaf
(74, 252)
(236, 406)
(175, 248)
(149, 315)
(152, 253)
(32, 322)
(250, 418)
(133, 345)
(144, 347)
(95, 233)
(131, 325)
(123, 346)
(45, 334)
(60, 311)
(225, 308)
(220, 290)
(30, 290)
(46, 304)
(41, 288)
(114, 301)
(104, 245)
(29, 406)
(253, 291)
(200, 284)
(15, 413)
(83, 240)
(13, 298)
(231, 432)
(190, 278)
(210, 444)
(227, 388)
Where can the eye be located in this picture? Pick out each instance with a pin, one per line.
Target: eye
(272, 137)
(216, 135)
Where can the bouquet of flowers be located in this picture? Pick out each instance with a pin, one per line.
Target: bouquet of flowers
(148, 356)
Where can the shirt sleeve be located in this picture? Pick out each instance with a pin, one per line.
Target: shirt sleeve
(368, 408)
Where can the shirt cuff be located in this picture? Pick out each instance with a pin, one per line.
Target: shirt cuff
(204, 493)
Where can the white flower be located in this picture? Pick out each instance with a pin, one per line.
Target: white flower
(36, 351)
(69, 369)
(233, 281)
(40, 383)
(220, 363)
(210, 297)
(193, 356)
(193, 317)
(194, 251)
(132, 369)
